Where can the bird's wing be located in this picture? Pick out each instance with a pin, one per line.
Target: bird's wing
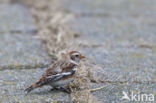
(66, 68)
(57, 77)
(53, 69)
(57, 71)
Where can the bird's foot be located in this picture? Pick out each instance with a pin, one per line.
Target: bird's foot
(55, 88)
(65, 90)
(61, 89)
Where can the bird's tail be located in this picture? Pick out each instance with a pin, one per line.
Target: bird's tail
(29, 89)
(40, 83)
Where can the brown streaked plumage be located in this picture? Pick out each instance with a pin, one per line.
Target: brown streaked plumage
(60, 73)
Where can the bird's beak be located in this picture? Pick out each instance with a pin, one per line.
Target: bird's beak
(82, 57)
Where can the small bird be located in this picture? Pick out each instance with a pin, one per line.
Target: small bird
(60, 73)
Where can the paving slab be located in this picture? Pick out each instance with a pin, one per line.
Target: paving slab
(20, 50)
(15, 18)
(128, 50)
(113, 93)
(116, 81)
(18, 46)
(116, 31)
(14, 82)
(136, 63)
(102, 7)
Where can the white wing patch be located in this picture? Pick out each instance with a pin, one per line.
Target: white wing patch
(57, 77)
(75, 69)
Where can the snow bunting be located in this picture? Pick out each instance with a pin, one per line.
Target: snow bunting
(60, 73)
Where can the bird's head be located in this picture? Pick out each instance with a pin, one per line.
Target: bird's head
(75, 56)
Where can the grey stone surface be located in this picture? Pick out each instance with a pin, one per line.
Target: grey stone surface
(15, 18)
(113, 93)
(137, 63)
(117, 31)
(100, 7)
(20, 50)
(120, 36)
(14, 82)
(18, 47)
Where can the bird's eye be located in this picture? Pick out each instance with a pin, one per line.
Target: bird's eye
(76, 55)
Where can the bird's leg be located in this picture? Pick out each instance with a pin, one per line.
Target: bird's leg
(69, 88)
(55, 88)
(62, 89)
(65, 90)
